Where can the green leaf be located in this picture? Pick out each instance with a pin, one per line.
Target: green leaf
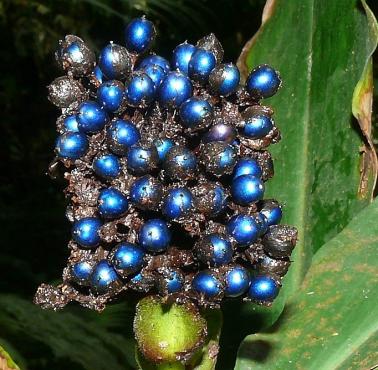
(6, 362)
(333, 322)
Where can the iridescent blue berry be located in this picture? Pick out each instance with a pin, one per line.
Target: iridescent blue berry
(110, 95)
(201, 64)
(97, 76)
(91, 117)
(262, 223)
(115, 62)
(237, 281)
(170, 281)
(263, 288)
(180, 163)
(272, 212)
(70, 123)
(85, 231)
(146, 192)
(220, 132)
(163, 145)
(155, 60)
(246, 189)
(214, 249)
(195, 113)
(224, 79)
(121, 135)
(181, 57)
(112, 203)
(206, 284)
(218, 158)
(104, 277)
(142, 159)
(210, 199)
(139, 35)
(174, 90)
(263, 82)
(107, 166)
(128, 258)
(177, 203)
(243, 228)
(154, 235)
(81, 271)
(71, 145)
(140, 90)
(155, 73)
(257, 126)
(247, 166)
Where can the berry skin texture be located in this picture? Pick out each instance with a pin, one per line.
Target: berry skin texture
(112, 203)
(103, 277)
(263, 288)
(91, 117)
(71, 145)
(201, 64)
(85, 232)
(170, 281)
(70, 123)
(146, 192)
(81, 272)
(257, 126)
(163, 145)
(272, 212)
(142, 159)
(224, 79)
(139, 35)
(218, 158)
(196, 114)
(237, 281)
(110, 95)
(177, 203)
(243, 229)
(140, 90)
(107, 166)
(121, 135)
(247, 166)
(181, 57)
(246, 189)
(128, 258)
(206, 284)
(154, 235)
(155, 73)
(115, 62)
(155, 60)
(180, 163)
(214, 250)
(174, 90)
(220, 132)
(263, 82)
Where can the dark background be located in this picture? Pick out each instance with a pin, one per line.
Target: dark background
(34, 231)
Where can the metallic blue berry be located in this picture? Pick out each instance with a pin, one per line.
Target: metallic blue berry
(181, 57)
(257, 126)
(115, 62)
(163, 145)
(214, 249)
(247, 166)
(112, 203)
(121, 135)
(206, 284)
(243, 229)
(139, 35)
(142, 159)
(177, 203)
(170, 281)
(81, 271)
(71, 145)
(97, 77)
(91, 117)
(218, 158)
(237, 281)
(224, 79)
(104, 277)
(174, 90)
(272, 212)
(86, 231)
(110, 95)
(196, 114)
(263, 288)
(262, 223)
(246, 189)
(154, 235)
(201, 64)
(107, 166)
(210, 199)
(155, 60)
(128, 258)
(220, 132)
(146, 192)
(70, 123)
(155, 73)
(180, 163)
(263, 82)
(140, 90)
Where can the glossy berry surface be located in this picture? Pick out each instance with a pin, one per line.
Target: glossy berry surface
(170, 281)
(155, 60)
(263, 288)
(71, 145)
(139, 35)
(214, 249)
(246, 189)
(81, 271)
(112, 203)
(237, 281)
(154, 235)
(142, 159)
(70, 123)
(91, 117)
(121, 135)
(195, 113)
(220, 132)
(201, 64)
(180, 163)
(174, 90)
(181, 57)
(243, 228)
(128, 258)
(163, 145)
(146, 192)
(177, 203)
(272, 212)
(107, 166)
(140, 90)
(115, 62)
(224, 79)
(85, 231)
(110, 95)
(156, 74)
(257, 126)
(103, 277)
(247, 166)
(207, 284)
(263, 82)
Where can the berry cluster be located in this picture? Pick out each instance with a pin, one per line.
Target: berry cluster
(166, 164)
